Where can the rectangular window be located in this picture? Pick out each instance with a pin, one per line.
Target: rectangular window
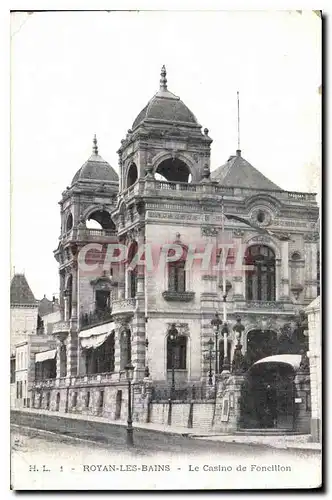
(87, 400)
(102, 300)
(12, 371)
(101, 400)
(74, 400)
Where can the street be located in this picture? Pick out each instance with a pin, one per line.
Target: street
(84, 458)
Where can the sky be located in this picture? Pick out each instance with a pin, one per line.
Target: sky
(76, 74)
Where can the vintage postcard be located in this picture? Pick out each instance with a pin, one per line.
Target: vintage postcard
(165, 250)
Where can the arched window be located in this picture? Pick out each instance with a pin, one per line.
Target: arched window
(125, 348)
(132, 275)
(177, 273)
(260, 281)
(68, 293)
(177, 353)
(132, 175)
(69, 222)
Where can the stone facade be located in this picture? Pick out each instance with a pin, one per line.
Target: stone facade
(167, 195)
(315, 354)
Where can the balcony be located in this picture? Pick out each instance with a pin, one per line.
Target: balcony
(60, 329)
(123, 306)
(178, 188)
(95, 318)
(92, 378)
(262, 306)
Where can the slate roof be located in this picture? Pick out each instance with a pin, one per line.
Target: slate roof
(238, 172)
(46, 306)
(165, 106)
(20, 291)
(96, 168)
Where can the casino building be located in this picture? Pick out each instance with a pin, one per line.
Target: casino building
(163, 322)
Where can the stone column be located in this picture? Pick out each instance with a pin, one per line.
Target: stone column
(310, 257)
(138, 349)
(302, 402)
(58, 358)
(117, 347)
(72, 341)
(209, 304)
(239, 270)
(74, 293)
(284, 295)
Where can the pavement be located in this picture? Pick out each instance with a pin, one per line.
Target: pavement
(296, 442)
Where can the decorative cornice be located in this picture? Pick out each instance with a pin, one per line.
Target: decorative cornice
(209, 231)
(178, 296)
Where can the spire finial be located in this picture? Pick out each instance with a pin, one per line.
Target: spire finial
(163, 79)
(238, 151)
(95, 146)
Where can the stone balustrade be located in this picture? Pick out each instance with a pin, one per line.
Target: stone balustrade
(123, 306)
(212, 188)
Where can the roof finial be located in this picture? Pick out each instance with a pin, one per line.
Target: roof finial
(163, 79)
(95, 146)
(238, 151)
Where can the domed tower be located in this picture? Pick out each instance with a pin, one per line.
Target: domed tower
(165, 139)
(86, 207)
(164, 173)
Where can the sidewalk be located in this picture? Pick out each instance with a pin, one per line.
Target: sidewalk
(301, 442)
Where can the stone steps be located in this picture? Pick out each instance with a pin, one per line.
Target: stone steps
(266, 432)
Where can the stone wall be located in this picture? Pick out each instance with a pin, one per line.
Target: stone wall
(196, 415)
(315, 346)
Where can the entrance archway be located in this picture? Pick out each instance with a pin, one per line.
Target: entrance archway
(268, 396)
(261, 344)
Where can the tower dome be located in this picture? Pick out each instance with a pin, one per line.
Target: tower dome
(96, 168)
(166, 107)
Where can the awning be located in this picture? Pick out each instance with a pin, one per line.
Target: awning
(45, 355)
(94, 338)
(293, 360)
(94, 341)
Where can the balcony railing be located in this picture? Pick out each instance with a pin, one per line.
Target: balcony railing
(123, 306)
(186, 393)
(263, 304)
(61, 327)
(212, 188)
(95, 318)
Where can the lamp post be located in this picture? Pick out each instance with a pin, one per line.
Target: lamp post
(216, 322)
(210, 344)
(129, 373)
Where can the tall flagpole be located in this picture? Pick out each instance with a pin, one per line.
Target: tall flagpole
(224, 256)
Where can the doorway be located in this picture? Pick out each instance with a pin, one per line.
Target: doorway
(268, 397)
(118, 405)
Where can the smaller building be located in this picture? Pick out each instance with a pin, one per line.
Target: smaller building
(32, 356)
(315, 351)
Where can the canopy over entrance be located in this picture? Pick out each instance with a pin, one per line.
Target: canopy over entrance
(292, 360)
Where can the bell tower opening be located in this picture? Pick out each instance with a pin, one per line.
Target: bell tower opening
(173, 170)
(132, 175)
(100, 219)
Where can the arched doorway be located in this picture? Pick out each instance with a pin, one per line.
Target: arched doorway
(268, 397)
